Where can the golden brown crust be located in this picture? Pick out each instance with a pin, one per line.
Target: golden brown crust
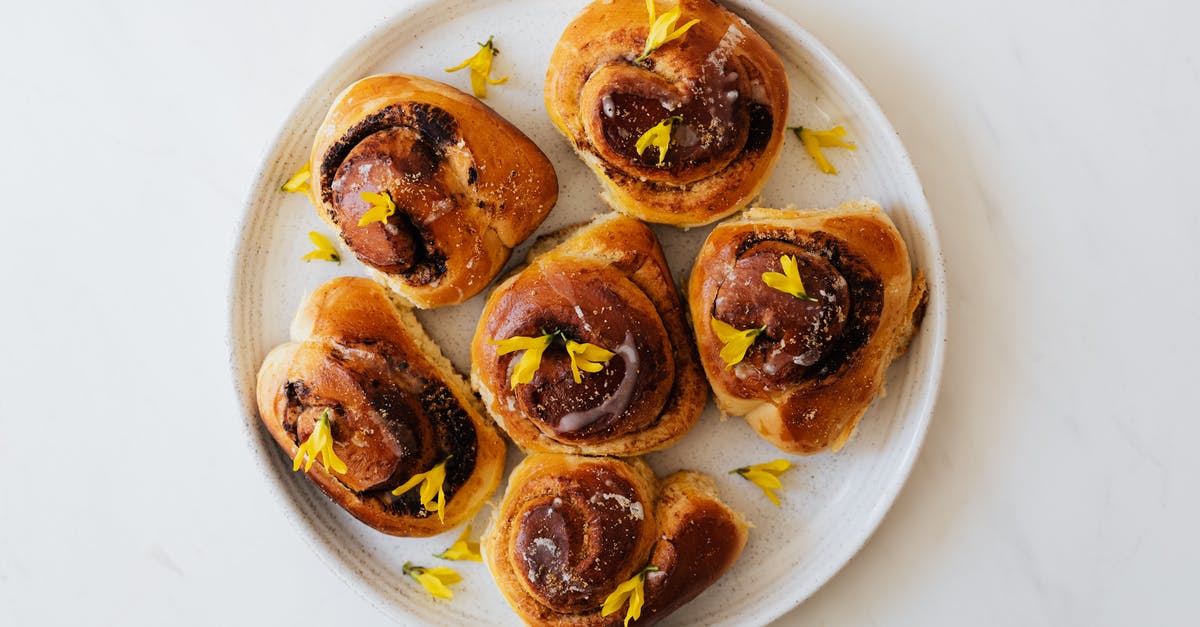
(855, 263)
(607, 284)
(468, 186)
(570, 529)
(724, 81)
(396, 405)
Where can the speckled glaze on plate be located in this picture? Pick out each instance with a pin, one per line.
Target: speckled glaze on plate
(833, 502)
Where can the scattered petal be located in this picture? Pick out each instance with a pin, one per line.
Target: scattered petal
(324, 251)
(319, 444)
(814, 141)
(789, 281)
(766, 477)
(462, 549)
(432, 496)
(658, 136)
(736, 341)
(300, 183)
(381, 209)
(662, 29)
(480, 65)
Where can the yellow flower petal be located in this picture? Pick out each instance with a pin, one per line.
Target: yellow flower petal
(528, 364)
(432, 495)
(658, 136)
(586, 357)
(789, 281)
(462, 549)
(631, 590)
(814, 141)
(766, 477)
(661, 29)
(480, 65)
(381, 209)
(300, 182)
(324, 251)
(319, 444)
(736, 341)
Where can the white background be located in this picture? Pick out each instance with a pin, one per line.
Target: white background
(1058, 145)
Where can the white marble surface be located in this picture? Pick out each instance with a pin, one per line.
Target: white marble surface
(1056, 141)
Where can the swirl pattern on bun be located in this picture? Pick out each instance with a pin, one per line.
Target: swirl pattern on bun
(570, 529)
(814, 357)
(720, 84)
(466, 185)
(393, 404)
(606, 285)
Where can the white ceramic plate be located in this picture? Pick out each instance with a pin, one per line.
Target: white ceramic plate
(833, 502)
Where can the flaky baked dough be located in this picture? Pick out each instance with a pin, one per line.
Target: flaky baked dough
(815, 415)
(602, 43)
(500, 183)
(626, 247)
(682, 526)
(358, 311)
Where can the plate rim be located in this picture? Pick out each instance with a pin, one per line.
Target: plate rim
(850, 86)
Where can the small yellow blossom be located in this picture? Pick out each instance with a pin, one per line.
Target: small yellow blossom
(462, 549)
(634, 590)
(300, 181)
(325, 250)
(658, 136)
(319, 444)
(381, 209)
(533, 346)
(431, 486)
(584, 356)
(480, 65)
(435, 580)
(736, 342)
(765, 476)
(789, 282)
(587, 357)
(814, 141)
(661, 29)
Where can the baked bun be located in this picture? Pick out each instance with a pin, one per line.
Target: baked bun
(571, 529)
(393, 404)
(467, 186)
(819, 361)
(607, 285)
(723, 81)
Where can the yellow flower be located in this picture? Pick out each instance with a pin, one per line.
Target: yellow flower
(736, 342)
(319, 444)
(658, 136)
(765, 476)
(381, 209)
(299, 183)
(634, 590)
(586, 357)
(533, 346)
(660, 29)
(434, 580)
(789, 282)
(481, 67)
(325, 250)
(431, 486)
(462, 549)
(814, 141)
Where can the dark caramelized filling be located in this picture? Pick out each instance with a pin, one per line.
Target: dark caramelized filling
(388, 423)
(573, 547)
(802, 339)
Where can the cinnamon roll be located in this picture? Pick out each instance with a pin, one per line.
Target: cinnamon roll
(798, 315)
(571, 530)
(429, 187)
(366, 395)
(586, 350)
(713, 100)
